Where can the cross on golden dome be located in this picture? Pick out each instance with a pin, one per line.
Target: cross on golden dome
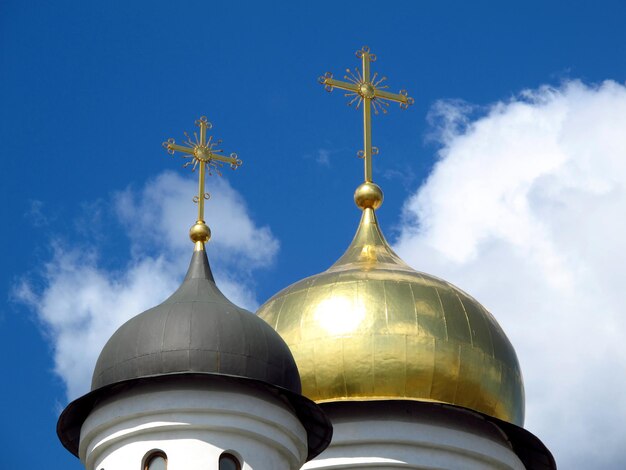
(204, 155)
(369, 92)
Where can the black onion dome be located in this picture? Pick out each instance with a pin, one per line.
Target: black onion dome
(197, 330)
(196, 334)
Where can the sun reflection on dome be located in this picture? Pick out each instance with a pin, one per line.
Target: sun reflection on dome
(339, 315)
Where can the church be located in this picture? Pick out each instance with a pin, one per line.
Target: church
(367, 365)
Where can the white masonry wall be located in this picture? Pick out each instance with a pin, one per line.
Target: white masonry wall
(193, 424)
(396, 435)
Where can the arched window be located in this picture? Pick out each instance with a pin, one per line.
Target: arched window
(229, 462)
(156, 460)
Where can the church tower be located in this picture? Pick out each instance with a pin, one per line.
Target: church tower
(413, 372)
(195, 383)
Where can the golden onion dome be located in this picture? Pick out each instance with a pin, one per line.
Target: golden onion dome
(372, 328)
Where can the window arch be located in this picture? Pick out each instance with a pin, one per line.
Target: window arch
(229, 462)
(155, 460)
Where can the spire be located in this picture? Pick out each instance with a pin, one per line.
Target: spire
(368, 91)
(369, 249)
(204, 155)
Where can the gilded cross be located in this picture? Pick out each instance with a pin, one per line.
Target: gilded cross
(370, 92)
(204, 155)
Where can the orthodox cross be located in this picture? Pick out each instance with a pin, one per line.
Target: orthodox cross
(368, 91)
(204, 155)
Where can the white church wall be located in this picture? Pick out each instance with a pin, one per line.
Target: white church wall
(193, 425)
(383, 436)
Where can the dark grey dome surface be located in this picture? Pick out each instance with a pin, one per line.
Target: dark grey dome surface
(197, 330)
(196, 334)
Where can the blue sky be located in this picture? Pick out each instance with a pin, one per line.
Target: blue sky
(90, 199)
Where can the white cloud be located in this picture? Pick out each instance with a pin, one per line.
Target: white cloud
(323, 157)
(162, 211)
(526, 210)
(81, 303)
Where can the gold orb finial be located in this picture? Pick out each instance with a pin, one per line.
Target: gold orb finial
(200, 232)
(368, 196)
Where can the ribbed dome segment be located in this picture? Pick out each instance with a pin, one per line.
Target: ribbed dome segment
(371, 328)
(197, 330)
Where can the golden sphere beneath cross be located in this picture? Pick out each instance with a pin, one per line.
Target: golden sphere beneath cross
(368, 196)
(200, 232)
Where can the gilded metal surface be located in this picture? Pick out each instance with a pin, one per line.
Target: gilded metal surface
(371, 327)
(368, 91)
(368, 196)
(205, 155)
